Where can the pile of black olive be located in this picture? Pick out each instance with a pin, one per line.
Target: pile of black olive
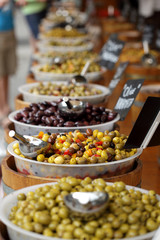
(47, 114)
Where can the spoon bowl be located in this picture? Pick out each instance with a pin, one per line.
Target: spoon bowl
(71, 108)
(80, 77)
(28, 145)
(148, 59)
(87, 205)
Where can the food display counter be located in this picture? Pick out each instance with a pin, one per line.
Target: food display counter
(83, 138)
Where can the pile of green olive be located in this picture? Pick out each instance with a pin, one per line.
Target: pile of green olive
(70, 66)
(82, 148)
(71, 90)
(64, 33)
(130, 213)
(67, 44)
(83, 55)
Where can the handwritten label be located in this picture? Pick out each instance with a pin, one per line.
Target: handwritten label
(144, 123)
(117, 76)
(110, 52)
(127, 97)
(148, 33)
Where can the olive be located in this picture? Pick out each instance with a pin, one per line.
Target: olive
(88, 111)
(51, 139)
(69, 124)
(55, 123)
(18, 116)
(85, 123)
(93, 122)
(42, 107)
(35, 109)
(44, 211)
(79, 123)
(103, 118)
(53, 118)
(30, 120)
(25, 113)
(89, 132)
(39, 113)
(79, 154)
(48, 112)
(81, 160)
(43, 119)
(94, 113)
(48, 121)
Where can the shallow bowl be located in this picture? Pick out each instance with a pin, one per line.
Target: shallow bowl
(93, 99)
(42, 169)
(49, 76)
(17, 233)
(29, 129)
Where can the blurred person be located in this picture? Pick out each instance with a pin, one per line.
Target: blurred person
(34, 11)
(7, 55)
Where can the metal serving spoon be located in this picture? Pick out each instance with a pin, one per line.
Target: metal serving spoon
(87, 205)
(71, 108)
(28, 145)
(148, 59)
(80, 77)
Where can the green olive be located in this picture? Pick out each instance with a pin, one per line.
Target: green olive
(129, 213)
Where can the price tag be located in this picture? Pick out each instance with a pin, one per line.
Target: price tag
(127, 97)
(148, 33)
(146, 130)
(117, 76)
(110, 52)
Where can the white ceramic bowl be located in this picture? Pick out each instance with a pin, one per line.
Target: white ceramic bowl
(49, 76)
(93, 99)
(42, 169)
(28, 129)
(50, 20)
(63, 39)
(17, 233)
(43, 47)
(41, 59)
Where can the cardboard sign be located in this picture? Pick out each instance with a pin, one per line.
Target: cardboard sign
(127, 97)
(146, 130)
(110, 52)
(117, 76)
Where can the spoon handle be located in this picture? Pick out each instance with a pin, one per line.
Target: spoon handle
(85, 68)
(69, 105)
(146, 47)
(17, 136)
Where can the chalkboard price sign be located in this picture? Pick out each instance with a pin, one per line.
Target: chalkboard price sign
(127, 97)
(146, 130)
(148, 33)
(110, 52)
(117, 76)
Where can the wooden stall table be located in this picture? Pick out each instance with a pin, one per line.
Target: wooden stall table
(30, 79)
(13, 180)
(20, 103)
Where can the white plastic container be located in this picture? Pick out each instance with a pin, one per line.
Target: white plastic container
(43, 47)
(93, 99)
(64, 39)
(28, 129)
(49, 76)
(17, 233)
(51, 170)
